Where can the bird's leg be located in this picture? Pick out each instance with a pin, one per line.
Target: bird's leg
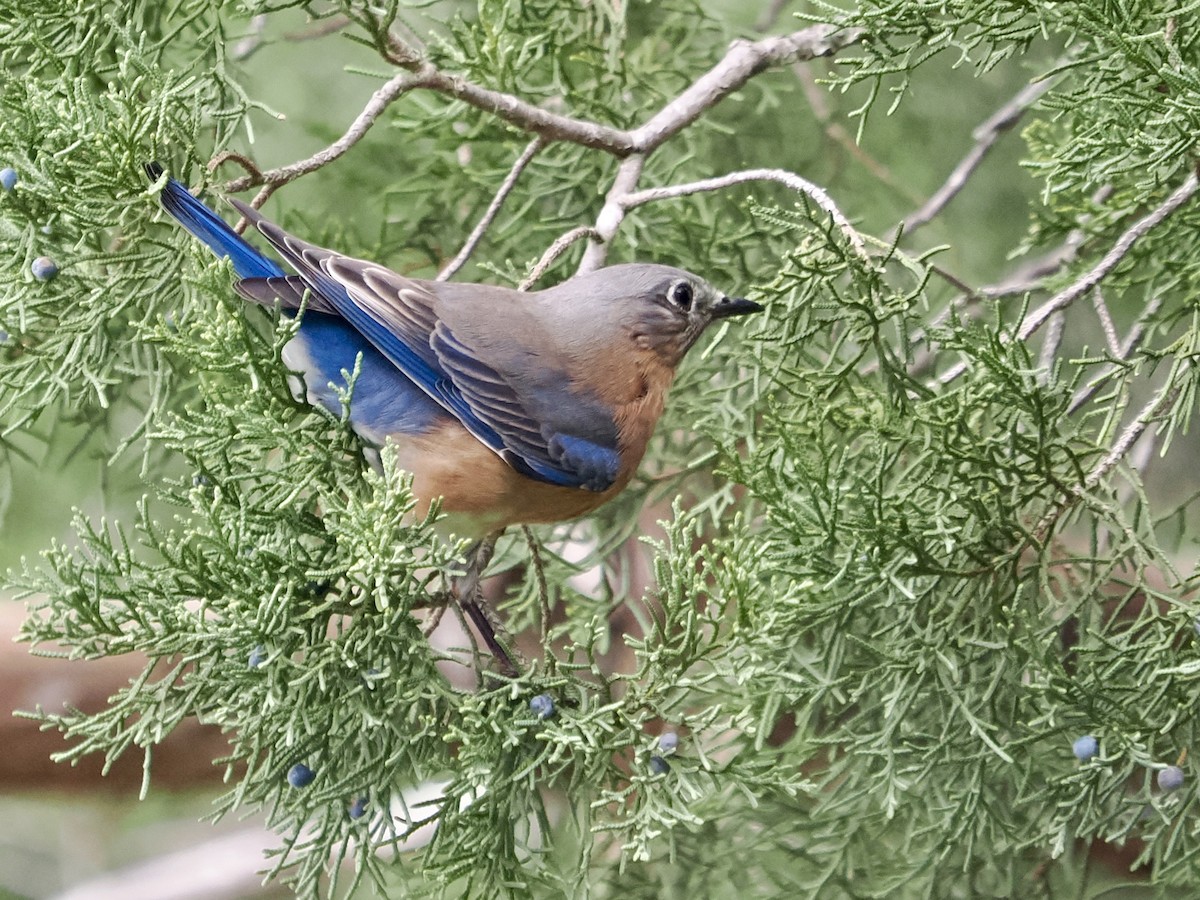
(468, 592)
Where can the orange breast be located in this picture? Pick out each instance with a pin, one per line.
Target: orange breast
(481, 493)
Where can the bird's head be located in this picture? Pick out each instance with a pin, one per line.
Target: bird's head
(661, 308)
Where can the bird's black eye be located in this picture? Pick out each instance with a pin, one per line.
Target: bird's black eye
(681, 294)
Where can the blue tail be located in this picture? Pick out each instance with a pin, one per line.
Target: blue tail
(210, 228)
(385, 400)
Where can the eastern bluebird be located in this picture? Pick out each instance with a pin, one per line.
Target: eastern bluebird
(513, 407)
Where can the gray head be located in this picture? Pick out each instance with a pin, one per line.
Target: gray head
(661, 308)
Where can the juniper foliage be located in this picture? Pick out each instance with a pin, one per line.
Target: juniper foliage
(908, 554)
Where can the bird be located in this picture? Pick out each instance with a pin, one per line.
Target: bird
(507, 407)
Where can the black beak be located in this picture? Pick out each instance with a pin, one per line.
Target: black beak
(734, 306)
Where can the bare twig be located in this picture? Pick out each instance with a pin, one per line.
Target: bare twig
(1144, 453)
(1032, 275)
(969, 304)
(321, 29)
(525, 115)
(1150, 414)
(770, 15)
(244, 161)
(555, 251)
(1106, 322)
(1109, 261)
(743, 61)
(836, 132)
(985, 135)
(1052, 342)
(1138, 331)
(613, 212)
(263, 195)
(1132, 340)
(489, 216)
(1098, 272)
(1029, 276)
(245, 47)
(436, 619)
(790, 179)
(379, 101)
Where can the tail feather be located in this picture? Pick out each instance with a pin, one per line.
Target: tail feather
(212, 230)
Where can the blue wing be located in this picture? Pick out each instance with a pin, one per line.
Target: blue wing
(539, 426)
(533, 423)
(385, 399)
(542, 429)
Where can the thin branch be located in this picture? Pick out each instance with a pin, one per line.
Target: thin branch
(1132, 341)
(836, 132)
(1033, 274)
(743, 61)
(1138, 331)
(244, 161)
(264, 194)
(525, 115)
(245, 47)
(1029, 276)
(489, 216)
(1106, 322)
(969, 303)
(1140, 458)
(555, 251)
(1052, 342)
(436, 619)
(770, 15)
(321, 29)
(986, 135)
(1150, 414)
(613, 212)
(1098, 272)
(380, 100)
(817, 194)
(1109, 261)
(954, 281)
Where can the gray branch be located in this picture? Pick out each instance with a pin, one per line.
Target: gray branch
(1121, 353)
(493, 209)
(1100, 271)
(1109, 261)
(1151, 413)
(556, 250)
(986, 135)
(817, 194)
(613, 212)
(743, 61)
(380, 100)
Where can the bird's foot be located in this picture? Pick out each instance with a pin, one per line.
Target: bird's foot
(468, 593)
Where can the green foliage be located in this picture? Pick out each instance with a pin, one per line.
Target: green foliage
(886, 596)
